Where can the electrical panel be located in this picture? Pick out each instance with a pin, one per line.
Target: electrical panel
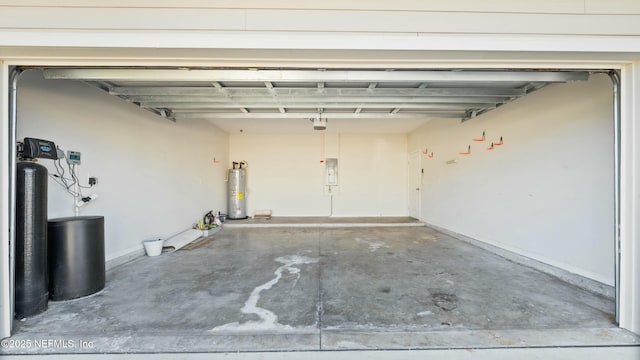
(331, 172)
(73, 157)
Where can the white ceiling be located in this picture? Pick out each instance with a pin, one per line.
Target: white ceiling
(286, 100)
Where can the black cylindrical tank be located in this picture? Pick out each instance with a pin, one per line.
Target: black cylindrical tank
(31, 278)
(76, 256)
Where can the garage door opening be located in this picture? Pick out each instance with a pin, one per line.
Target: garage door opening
(516, 182)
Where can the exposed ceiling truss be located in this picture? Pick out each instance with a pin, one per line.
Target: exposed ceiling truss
(179, 94)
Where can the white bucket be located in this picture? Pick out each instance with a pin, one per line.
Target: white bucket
(153, 247)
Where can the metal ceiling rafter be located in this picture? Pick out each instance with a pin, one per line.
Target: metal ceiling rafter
(106, 87)
(274, 95)
(310, 105)
(395, 110)
(221, 75)
(220, 89)
(333, 99)
(370, 88)
(238, 92)
(310, 115)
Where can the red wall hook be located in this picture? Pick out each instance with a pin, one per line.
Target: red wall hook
(466, 153)
(500, 143)
(483, 138)
(490, 147)
(426, 152)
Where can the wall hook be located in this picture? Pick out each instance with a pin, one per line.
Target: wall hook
(500, 143)
(215, 161)
(426, 152)
(483, 138)
(466, 153)
(490, 147)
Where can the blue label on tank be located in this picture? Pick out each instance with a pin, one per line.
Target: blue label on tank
(45, 148)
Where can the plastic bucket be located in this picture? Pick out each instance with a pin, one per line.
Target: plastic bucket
(153, 247)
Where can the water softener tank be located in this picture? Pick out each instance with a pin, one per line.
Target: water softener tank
(237, 201)
(31, 277)
(76, 256)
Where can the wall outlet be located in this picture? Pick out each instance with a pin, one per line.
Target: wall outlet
(93, 180)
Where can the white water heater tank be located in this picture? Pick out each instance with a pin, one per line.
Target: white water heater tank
(237, 197)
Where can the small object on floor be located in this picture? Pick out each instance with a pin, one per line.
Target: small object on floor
(211, 231)
(262, 215)
(153, 247)
(179, 240)
(198, 243)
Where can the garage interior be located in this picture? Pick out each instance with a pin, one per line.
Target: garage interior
(473, 208)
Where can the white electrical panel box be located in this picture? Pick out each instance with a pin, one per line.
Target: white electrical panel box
(73, 157)
(331, 171)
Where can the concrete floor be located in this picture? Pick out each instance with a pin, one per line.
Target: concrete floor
(284, 289)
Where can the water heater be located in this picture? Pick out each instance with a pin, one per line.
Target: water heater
(237, 197)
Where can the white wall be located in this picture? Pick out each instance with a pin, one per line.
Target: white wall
(155, 177)
(373, 179)
(203, 30)
(403, 16)
(547, 193)
(285, 174)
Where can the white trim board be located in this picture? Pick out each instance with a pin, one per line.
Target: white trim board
(6, 309)
(124, 257)
(320, 225)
